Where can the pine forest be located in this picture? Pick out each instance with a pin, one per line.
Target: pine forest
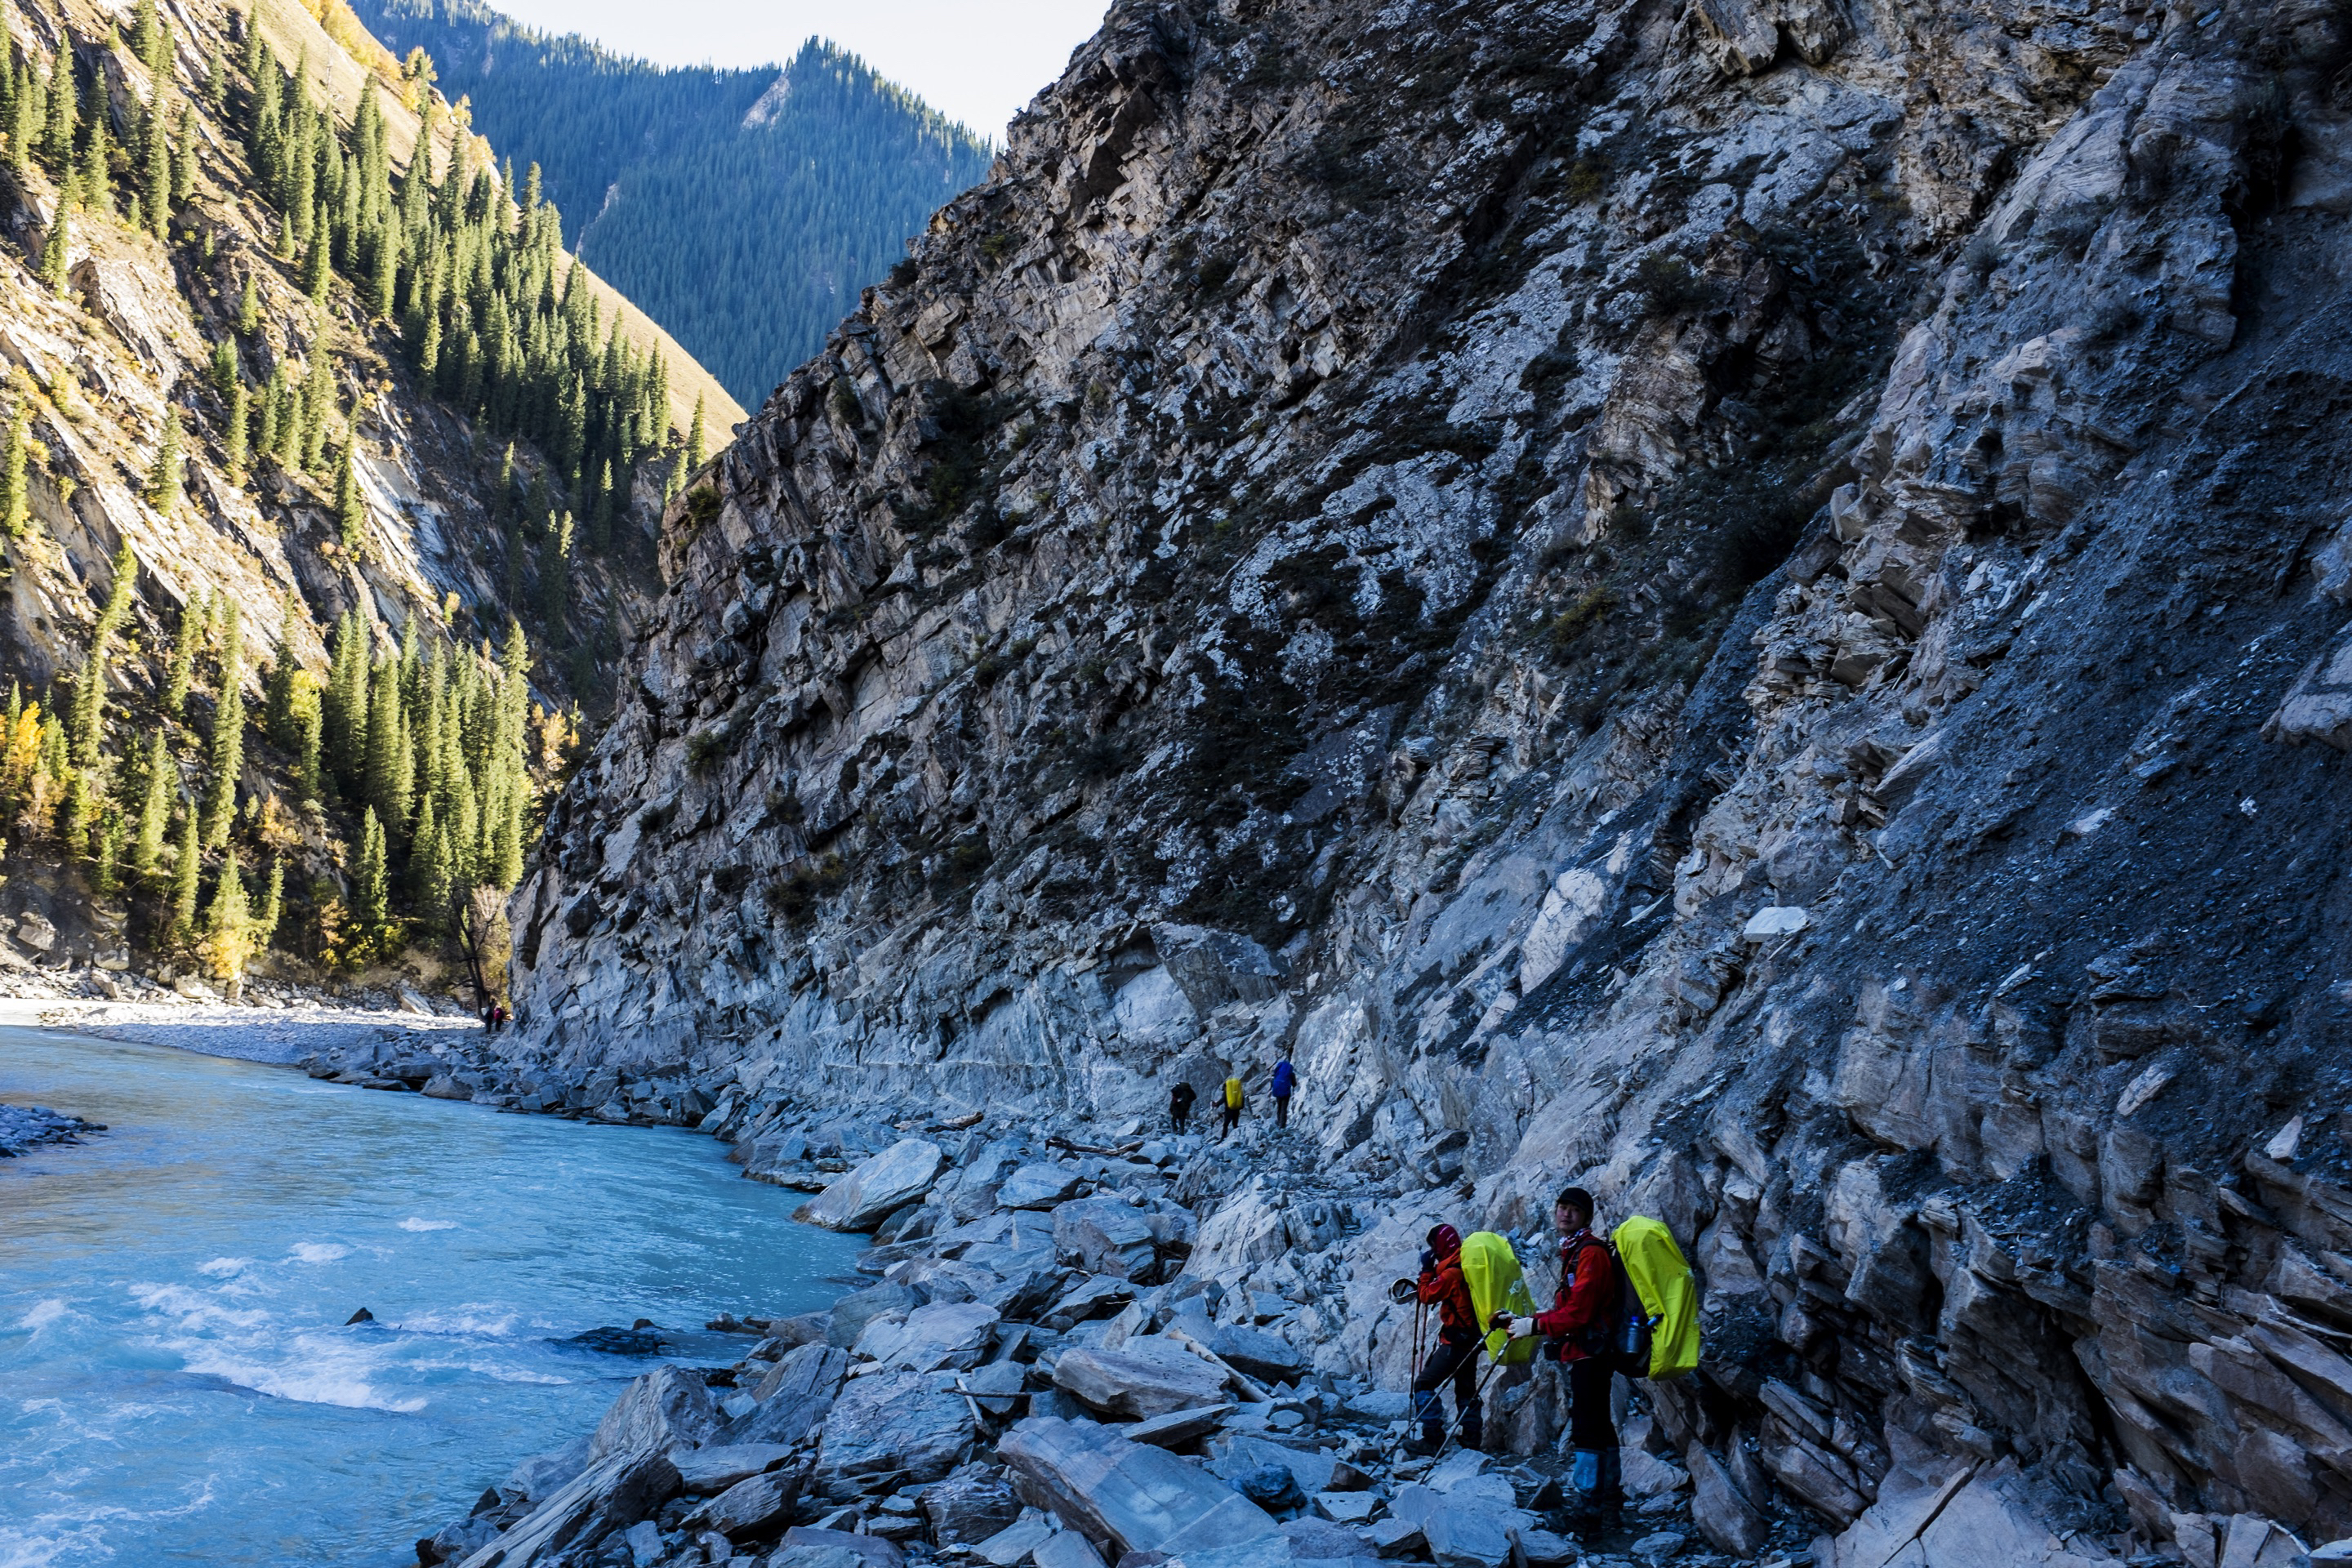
(742, 209)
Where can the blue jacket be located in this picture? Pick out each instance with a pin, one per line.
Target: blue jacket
(1285, 1079)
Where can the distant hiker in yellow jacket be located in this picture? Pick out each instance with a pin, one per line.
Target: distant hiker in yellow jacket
(1233, 1104)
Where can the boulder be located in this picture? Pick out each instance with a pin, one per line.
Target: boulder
(751, 1507)
(1273, 1487)
(1729, 1521)
(1038, 1187)
(1096, 1296)
(868, 1196)
(705, 1471)
(1467, 1536)
(608, 1496)
(645, 1543)
(1145, 1377)
(1011, 1545)
(794, 1397)
(951, 1334)
(902, 1425)
(543, 1474)
(1066, 1549)
(1347, 1508)
(870, 1550)
(847, 1321)
(1543, 1549)
(970, 1506)
(1106, 1236)
(1320, 1541)
(1269, 1358)
(1395, 1537)
(1137, 1496)
(1240, 1454)
(667, 1408)
(1178, 1427)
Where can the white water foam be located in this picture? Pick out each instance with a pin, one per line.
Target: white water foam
(222, 1268)
(194, 1309)
(413, 1223)
(318, 1252)
(314, 1383)
(44, 1314)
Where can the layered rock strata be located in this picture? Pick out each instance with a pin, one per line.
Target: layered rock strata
(1739, 602)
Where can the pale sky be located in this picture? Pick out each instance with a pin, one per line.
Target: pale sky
(973, 61)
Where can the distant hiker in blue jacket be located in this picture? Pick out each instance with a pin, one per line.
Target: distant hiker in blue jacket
(1286, 1079)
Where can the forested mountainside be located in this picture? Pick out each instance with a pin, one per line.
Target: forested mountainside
(745, 209)
(1741, 602)
(325, 489)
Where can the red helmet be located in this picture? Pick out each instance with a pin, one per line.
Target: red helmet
(1445, 1240)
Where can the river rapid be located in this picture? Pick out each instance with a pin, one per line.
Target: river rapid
(177, 1384)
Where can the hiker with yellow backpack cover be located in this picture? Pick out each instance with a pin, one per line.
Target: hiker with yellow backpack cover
(1631, 1307)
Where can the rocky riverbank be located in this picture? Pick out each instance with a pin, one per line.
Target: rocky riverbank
(1084, 1346)
(24, 1127)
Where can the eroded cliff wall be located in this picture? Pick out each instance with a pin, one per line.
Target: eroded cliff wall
(1739, 601)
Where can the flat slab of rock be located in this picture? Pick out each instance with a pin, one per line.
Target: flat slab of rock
(1466, 1536)
(753, 1507)
(1178, 1427)
(1143, 1378)
(1240, 1454)
(871, 1550)
(900, 1425)
(1137, 1496)
(1038, 1187)
(1347, 1508)
(667, 1408)
(951, 1334)
(1106, 1236)
(794, 1397)
(970, 1506)
(703, 1471)
(1395, 1537)
(1269, 1358)
(1066, 1549)
(1011, 1545)
(876, 1189)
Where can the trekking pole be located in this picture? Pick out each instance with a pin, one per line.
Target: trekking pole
(1462, 1417)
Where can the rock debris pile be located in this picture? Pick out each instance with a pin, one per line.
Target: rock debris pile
(24, 1127)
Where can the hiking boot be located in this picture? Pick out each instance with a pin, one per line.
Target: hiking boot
(1474, 1437)
(1425, 1442)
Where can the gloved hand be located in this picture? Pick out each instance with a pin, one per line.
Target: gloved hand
(1522, 1327)
(1428, 1260)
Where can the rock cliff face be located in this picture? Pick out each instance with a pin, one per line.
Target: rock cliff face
(1735, 601)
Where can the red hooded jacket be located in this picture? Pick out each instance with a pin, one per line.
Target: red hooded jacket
(1443, 1286)
(1585, 1309)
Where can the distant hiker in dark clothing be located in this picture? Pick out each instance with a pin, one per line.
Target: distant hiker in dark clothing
(1233, 1104)
(1457, 1356)
(1286, 1079)
(1179, 1106)
(1583, 1327)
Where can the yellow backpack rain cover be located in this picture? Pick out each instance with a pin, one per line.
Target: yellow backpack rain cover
(1491, 1269)
(1660, 1278)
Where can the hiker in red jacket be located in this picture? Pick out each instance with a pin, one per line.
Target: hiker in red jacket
(1582, 1327)
(1457, 1356)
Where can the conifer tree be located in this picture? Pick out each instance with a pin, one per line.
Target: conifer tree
(56, 247)
(222, 367)
(248, 309)
(273, 903)
(371, 891)
(314, 267)
(317, 402)
(80, 811)
(97, 167)
(228, 733)
(429, 878)
(90, 694)
(155, 174)
(25, 120)
(697, 440)
(183, 669)
(15, 498)
(154, 808)
(57, 133)
(241, 416)
(167, 476)
(556, 580)
(184, 884)
(183, 160)
(351, 515)
(345, 702)
(107, 878)
(389, 784)
(229, 923)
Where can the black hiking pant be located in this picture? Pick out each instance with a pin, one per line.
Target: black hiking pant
(1454, 1359)
(1282, 1110)
(1233, 1117)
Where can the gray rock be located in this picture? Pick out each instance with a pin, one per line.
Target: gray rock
(871, 1551)
(1139, 1498)
(1319, 1540)
(1066, 1549)
(1273, 1487)
(969, 1505)
(1347, 1508)
(751, 1507)
(1467, 1536)
(794, 1397)
(1266, 1357)
(543, 1474)
(852, 1312)
(644, 1541)
(1145, 1377)
(798, 1556)
(1095, 1296)
(1178, 1427)
(1729, 1521)
(1395, 1537)
(609, 1496)
(704, 1471)
(868, 1195)
(668, 1408)
(1240, 1454)
(1038, 1187)
(898, 1425)
(945, 1334)
(1664, 1544)
(1106, 1236)
(1013, 1543)
(1542, 1548)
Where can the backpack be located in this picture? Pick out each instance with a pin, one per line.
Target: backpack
(1233, 1093)
(1491, 1269)
(1660, 1340)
